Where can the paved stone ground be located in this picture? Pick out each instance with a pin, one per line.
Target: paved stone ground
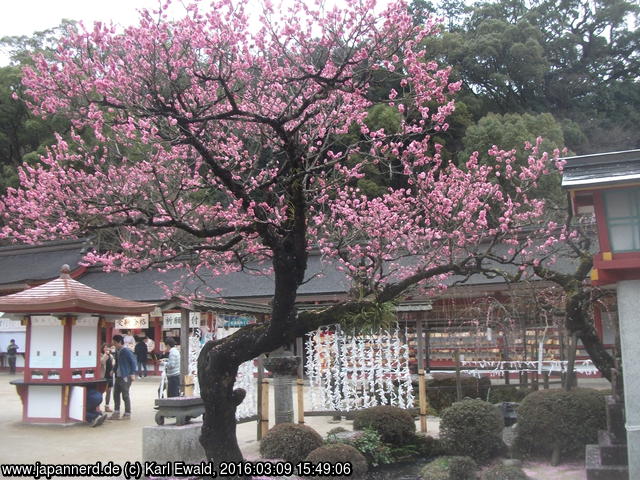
(121, 441)
(567, 471)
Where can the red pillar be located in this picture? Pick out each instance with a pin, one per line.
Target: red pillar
(65, 375)
(26, 373)
(157, 333)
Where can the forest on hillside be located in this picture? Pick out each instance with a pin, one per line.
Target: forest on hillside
(566, 70)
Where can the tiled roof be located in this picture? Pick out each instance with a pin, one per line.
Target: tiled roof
(322, 278)
(37, 263)
(70, 296)
(601, 169)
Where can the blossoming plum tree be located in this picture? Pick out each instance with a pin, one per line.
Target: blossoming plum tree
(215, 143)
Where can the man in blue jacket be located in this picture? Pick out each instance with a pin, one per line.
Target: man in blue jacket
(125, 371)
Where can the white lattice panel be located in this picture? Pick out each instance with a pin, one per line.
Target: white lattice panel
(246, 378)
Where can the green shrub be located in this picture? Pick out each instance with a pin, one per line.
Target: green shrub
(335, 430)
(290, 442)
(504, 472)
(429, 446)
(420, 446)
(557, 418)
(462, 468)
(436, 470)
(507, 394)
(369, 443)
(395, 425)
(340, 453)
(473, 428)
(444, 394)
(450, 468)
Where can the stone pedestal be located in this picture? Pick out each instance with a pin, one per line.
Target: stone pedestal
(183, 409)
(608, 459)
(619, 445)
(284, 372)
(172, 443)
(629, 318)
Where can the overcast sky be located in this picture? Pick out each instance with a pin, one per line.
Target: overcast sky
(24, 17)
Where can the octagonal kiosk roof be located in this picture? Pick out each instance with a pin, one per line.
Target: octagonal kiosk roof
(67, 295)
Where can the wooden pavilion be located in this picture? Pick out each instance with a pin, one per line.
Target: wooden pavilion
(63, 320)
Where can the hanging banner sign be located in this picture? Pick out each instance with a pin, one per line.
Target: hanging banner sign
(173, 320)
(89, 321)
(234, 321)
(127, 323)
(45, 321)
(9, 325)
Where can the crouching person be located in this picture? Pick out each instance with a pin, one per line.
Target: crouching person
(94, 416)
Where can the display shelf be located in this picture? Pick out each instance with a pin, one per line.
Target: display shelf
(443, 344)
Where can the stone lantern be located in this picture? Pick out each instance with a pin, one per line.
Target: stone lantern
(283, 366)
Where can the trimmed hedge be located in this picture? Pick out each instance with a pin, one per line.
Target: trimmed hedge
(507, 394)
(335, 430)
(428, 446)
(368, 442)
(462, 468)
(340, 453)
(472, 427)
(504, 472)
(395, 425)
(557, 418)
(445, 394)
(436, 470)
(450, 468)
(290, 442)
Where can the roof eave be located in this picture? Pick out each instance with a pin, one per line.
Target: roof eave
(600, 182)
(75, 305)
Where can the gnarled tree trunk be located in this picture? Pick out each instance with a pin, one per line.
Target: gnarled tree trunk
(218, 435)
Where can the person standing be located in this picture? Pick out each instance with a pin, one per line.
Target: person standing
(151, 346)
(129, 341)
(107, 363)
(172, 369)
(141, 356)
(12, 352)
(125, 371)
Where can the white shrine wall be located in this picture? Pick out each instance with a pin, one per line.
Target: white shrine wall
(47, 340)
(76, 403)
(84, 342)
(44, 401)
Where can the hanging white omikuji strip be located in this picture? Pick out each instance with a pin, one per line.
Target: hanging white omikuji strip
(497, 368)
(312, 369)
(194, 352)
(347, 373)
(245, 378)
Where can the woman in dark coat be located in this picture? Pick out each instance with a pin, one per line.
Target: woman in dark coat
(107, 362)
